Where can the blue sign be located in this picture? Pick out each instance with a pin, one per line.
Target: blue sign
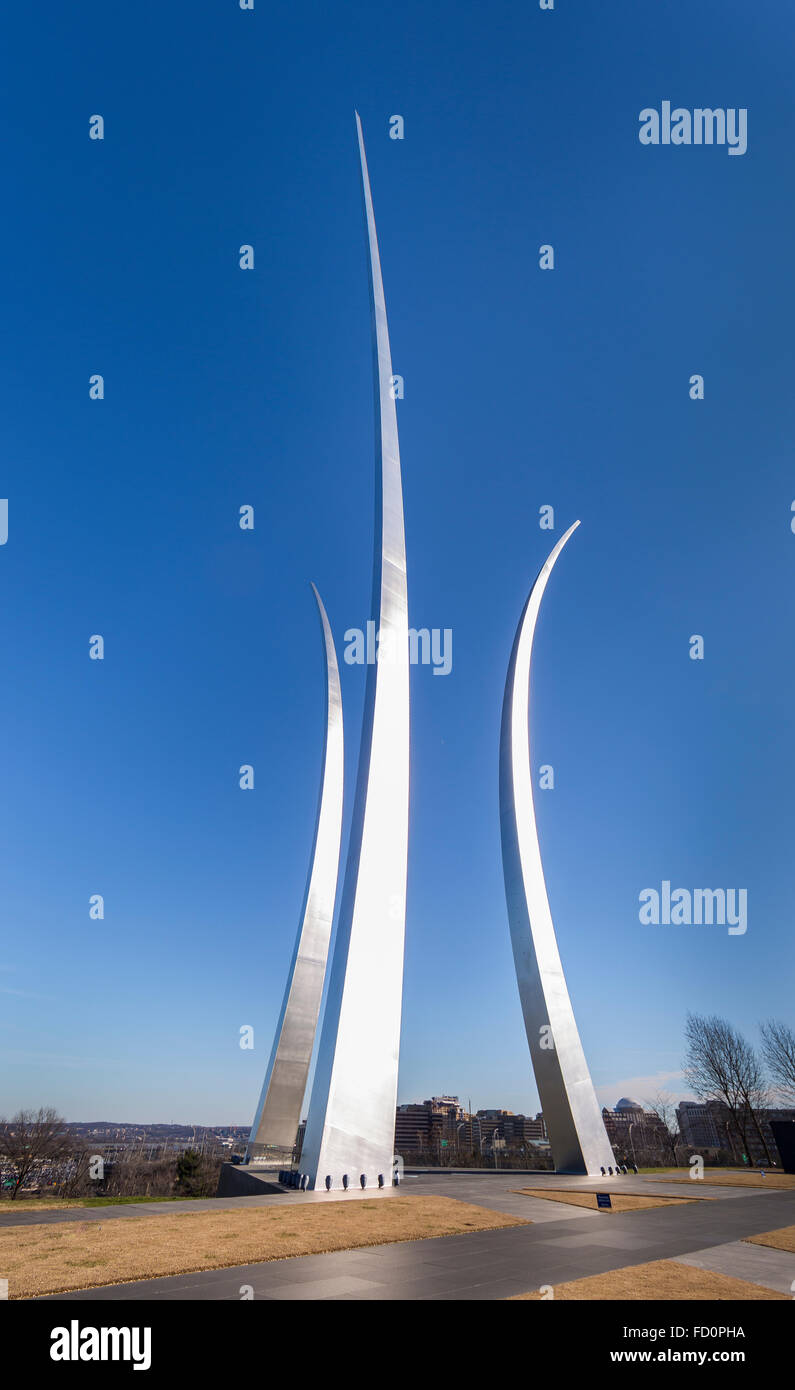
(603, 1199)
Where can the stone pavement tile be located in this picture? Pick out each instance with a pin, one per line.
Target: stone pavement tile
(536, 1209)
(424, 1280)
(298, 1271)
(495, 1290)
(428, 1286)
(376, 1261)
(334, 1287)
(364, 1259)
(489, 1263)
(168, 1288)
(606, 1239)
(228, 1278)
(465, 1289)
(758, 1264)
(441, 1250)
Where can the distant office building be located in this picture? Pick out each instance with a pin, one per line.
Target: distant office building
(513, 1130)
(710, 1125)
(442, 1123)
(758, 1145)
(698, 1127)
(412, 1128)
(636, 1134)
(427, 1126)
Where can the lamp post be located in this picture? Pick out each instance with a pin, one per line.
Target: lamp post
(631, 1144)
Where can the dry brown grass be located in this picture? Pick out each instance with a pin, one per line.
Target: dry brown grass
(665, 1279)
(783, 1239)
(622, 1201)
(7, 1207)
(737, 1178)
(83, 1254)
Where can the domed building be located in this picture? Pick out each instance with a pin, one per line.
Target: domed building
(637, 1135)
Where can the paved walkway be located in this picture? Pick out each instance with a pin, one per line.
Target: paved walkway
(758, 1264)
(564, 1243)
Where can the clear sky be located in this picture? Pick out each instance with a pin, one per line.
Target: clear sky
(523, 388)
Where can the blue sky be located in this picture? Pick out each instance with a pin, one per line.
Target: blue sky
(522, 388)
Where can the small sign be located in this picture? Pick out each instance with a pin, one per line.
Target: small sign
(603, 1199)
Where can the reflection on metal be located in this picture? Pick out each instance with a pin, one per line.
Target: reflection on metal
(576, 1130)
(279, 1110)
(351, 1125)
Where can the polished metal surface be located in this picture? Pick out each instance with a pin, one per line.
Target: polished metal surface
(279, 1110)
(576, 1130)
(351, 1124)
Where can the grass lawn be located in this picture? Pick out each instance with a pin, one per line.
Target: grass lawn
(783, 1239)
(665, 1279)
(82, 1254)
(622, 1201)
(64, 1203)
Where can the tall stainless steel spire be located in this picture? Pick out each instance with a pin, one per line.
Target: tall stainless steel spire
(576, 1130)
(279, 1110)
(351, 1125)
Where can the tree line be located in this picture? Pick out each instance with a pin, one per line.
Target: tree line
(39, 1146)
(722, 1065)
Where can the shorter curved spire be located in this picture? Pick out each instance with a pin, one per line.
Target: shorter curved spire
(574, 1123)
(279, 1110)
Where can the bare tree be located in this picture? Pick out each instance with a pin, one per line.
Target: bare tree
(664, 1107)
(721, 1065)
(76, 1178)
(31, 1138)
(778, 1048)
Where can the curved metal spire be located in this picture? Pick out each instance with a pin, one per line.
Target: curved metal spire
(279, 1110)
(574, 1121)
(351, 1124)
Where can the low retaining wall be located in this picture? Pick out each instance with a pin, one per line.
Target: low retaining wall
(237, 1180)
